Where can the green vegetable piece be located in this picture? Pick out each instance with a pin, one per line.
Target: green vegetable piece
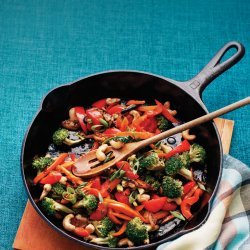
(152, 162)
(89, 202)
(162, 123)
(172, 188)
(136, 231)
(173, 165)
(197, 153)
(70, 195)
(57, 190)
(103, 227)
(152, 182)
(110, 240)
(178, 215)
(41, 163)
(50, 207)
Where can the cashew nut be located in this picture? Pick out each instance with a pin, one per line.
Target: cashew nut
(167, 106)
(100, 155)
(143, 197)
(187, 136)
(110, 101)
(90, 228)
(90, 237)
(71, 125)
(135, 114)
(72, 114)
(125, 242)
(166, 149)
(146, 241)
(63, 180)
(67, 223)
(81, 218)
(116, 144)
(46, 190)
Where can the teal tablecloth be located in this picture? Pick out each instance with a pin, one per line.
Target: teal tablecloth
(46, 43)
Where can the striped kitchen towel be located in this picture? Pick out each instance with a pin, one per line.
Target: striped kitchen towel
(227, 227)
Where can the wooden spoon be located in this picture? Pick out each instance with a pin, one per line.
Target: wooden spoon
(88, 165)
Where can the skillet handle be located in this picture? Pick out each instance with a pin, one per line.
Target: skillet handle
(215, 67)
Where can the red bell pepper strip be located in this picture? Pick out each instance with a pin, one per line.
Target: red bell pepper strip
(100, 212)
(123, 208)
(80, 114)
(121, 197)
(96, 183)
(184, 146)
(160, 215)
(95, 115)
(124, 124)
(155, 112)
(109, 186)
(52, 178)
(149, 124)
(136, 123)
(187, 187)
(146, 108)
(72, 156)
(118, 122)
(70, 176)
(136, 102)
(121, 230)
(95, 145)
(115, 109)
(128, 169)
(155, 205)
(99, 104)
(92, 191)
(139, 208)
(169, 206)
(122, 216)
(60, 159)
(80, 231)
(166, 113)
(110, 132)
(113, 184)
(188, 202)
(112, 217)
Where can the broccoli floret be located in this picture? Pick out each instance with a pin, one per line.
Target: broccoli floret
(57, 190)
(152, 182)
(110, 240)
(136, 231)
(103, 227)
(42, 162)
(152, 162)
(197, 153)
(64, 136)
(50, 207)
(185, 158)
(172, 188)
(89, 202)
(175, 166)
(162, 123)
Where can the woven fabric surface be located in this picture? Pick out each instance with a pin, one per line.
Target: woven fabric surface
(47, 43)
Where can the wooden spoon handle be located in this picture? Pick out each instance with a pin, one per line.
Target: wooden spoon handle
(195, 122)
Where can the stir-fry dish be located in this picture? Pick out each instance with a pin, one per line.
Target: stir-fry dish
(128, 204)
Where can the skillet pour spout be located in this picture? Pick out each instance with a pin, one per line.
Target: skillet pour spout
(184, 96)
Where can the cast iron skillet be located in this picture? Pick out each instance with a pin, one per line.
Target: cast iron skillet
(184, 96)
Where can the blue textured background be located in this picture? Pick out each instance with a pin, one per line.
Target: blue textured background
(46, 43)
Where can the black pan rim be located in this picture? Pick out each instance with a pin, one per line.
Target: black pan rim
(154, 244)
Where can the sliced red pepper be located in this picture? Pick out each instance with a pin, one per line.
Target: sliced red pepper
(169, 206)
(184, 146)
(166, 113)
(139, 208)
(96, 183)
(188, 186)
(128, 169)
(80, 114)
(155, 205)
(99, 104)
(100, 212)
(160, 215)
(155, 112)
(52, 178)
(188, 202)
(118, 122)
(146, 108)
(112, 217)
(121, 230)
(80, 231)
(95, 115)
(104, 189)
(121, 197)
(95, 145)
(150, 124)
(92, 191)
(72, 156)
(136, 123)
(115, 109)
(111, 132)
(124, 124)
(136, 102)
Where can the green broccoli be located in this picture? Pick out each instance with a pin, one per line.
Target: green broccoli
(152, 162)
(50, 207)
(152, 182)
(185, 158)
(136, 231)
(110, 240)
(103, 227)
(175, 165)
(57, 190)
(64, 136)
(172, 188)
(162, 123)
(197, 153)
(89, 202)
(42, 162)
